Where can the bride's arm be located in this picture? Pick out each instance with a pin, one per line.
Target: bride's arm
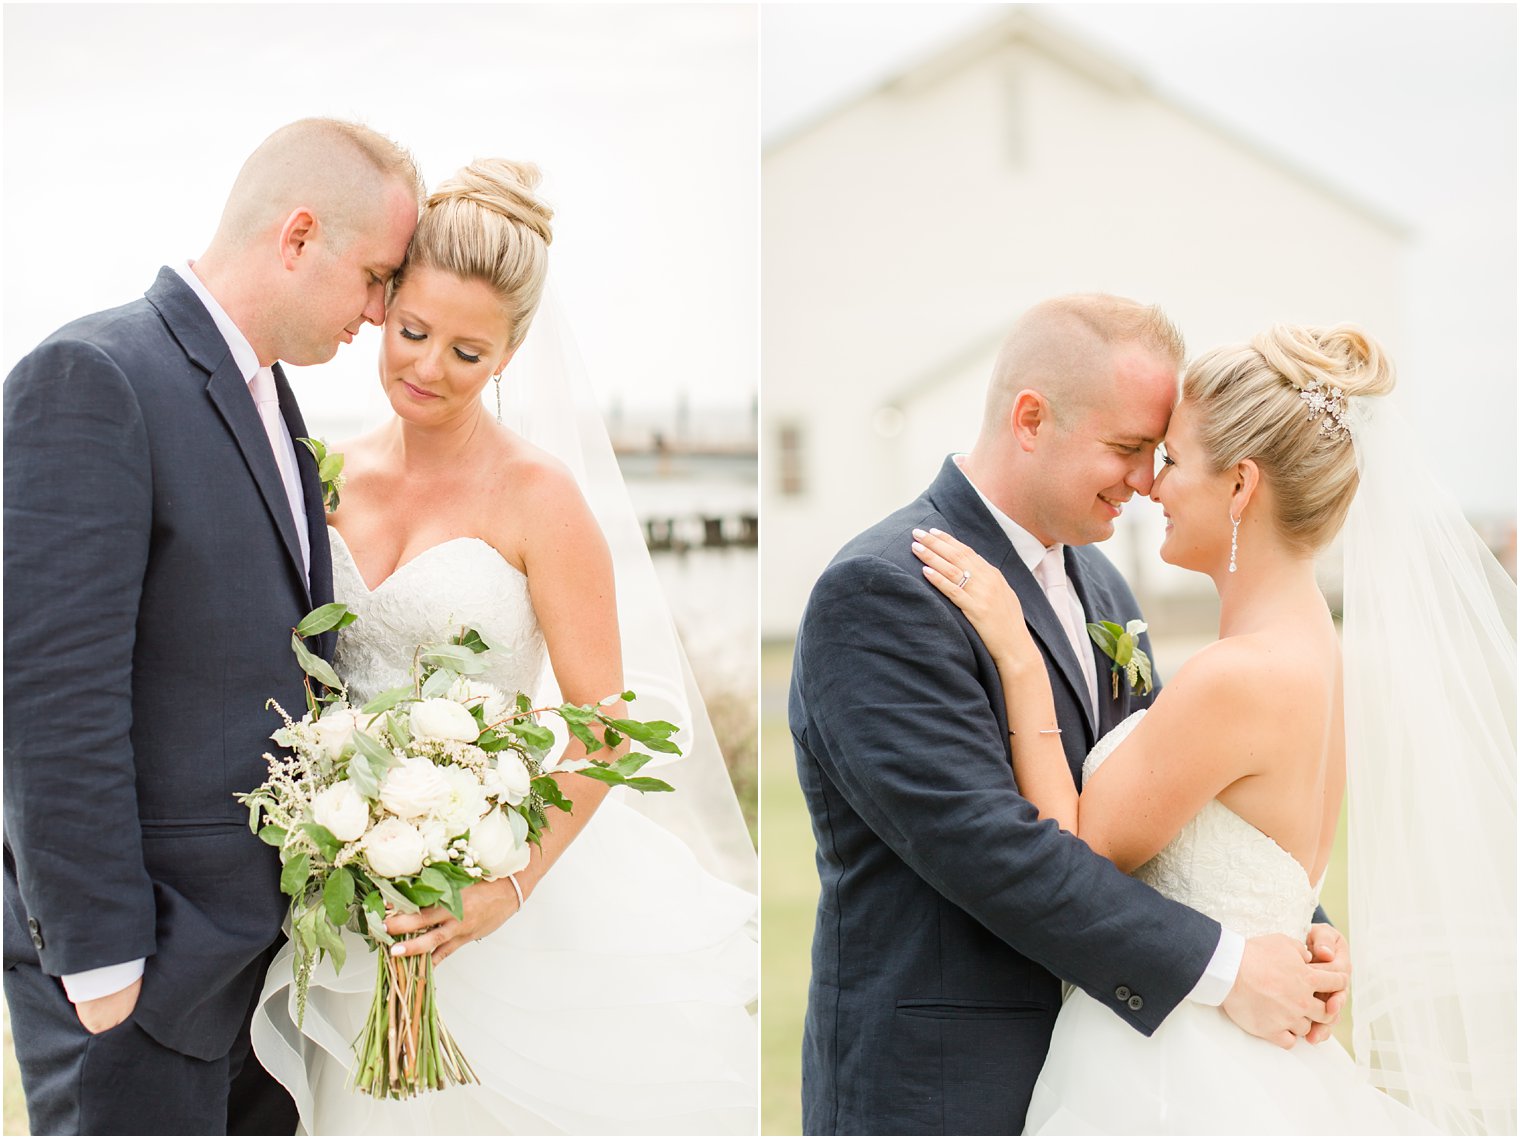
(1145, 792)
(569, 571)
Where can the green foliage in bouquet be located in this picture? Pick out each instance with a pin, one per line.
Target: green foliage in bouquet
(404, 803)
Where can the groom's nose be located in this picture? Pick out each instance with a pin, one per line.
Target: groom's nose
(1143, 473)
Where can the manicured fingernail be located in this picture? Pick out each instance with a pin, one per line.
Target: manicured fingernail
(917, 533)
(918, 548)
(397, 950)
(928, 571)
(932, 530)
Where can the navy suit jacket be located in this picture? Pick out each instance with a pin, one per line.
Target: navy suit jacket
(152, 579)
(948, 910)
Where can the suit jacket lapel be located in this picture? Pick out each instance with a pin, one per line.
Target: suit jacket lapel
(957, 500)
(320, 587)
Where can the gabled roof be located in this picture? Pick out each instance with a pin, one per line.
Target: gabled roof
(1098, 66)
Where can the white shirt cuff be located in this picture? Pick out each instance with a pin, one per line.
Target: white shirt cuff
(102, 982)
(1219, 978)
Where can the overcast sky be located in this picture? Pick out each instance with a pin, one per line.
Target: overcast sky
(1410, 107)
(124, 126)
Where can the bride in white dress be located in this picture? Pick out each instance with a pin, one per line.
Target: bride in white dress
(1225, 794)
(617, 1001)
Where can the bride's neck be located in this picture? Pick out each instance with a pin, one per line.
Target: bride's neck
(1264, 590)
(426, 449)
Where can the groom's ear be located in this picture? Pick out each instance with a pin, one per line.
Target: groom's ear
(1028, 414)
(295, 235)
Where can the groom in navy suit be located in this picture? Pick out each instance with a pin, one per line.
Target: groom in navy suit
(163, 534)
(949, 913)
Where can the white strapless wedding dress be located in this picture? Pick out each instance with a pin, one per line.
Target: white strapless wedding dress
(1199, 1073)
(616, 1002)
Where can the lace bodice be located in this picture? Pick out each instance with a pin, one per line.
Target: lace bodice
(463, 581)
(1224, 867)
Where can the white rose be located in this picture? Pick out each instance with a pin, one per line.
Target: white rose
(467, 799)
(492, 701)
(335, 729)
(342, 810)
(513, 777)
(413, 788)
(435, 840)
(496, 847)
(394, 849)
(443, 720)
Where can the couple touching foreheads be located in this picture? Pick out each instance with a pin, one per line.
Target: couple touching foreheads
(1005, 798)
(165, 530)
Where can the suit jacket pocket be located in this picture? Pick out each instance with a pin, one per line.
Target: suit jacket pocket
(964, 1066)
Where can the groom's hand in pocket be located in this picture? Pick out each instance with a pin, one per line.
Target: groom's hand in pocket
(107, 1012)
(1331, 951)
(1279, 994)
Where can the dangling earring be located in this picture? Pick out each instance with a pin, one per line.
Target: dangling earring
(497, 378)
(1234, 540)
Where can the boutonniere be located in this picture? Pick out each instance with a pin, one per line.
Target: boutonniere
(1122, 646)
(329, 470)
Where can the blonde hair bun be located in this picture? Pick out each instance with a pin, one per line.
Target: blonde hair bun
(1343, 356)
(487, 223)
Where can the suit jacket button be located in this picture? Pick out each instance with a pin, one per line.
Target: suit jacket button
(35, 929)
(1135, 1003)
(1122, 993)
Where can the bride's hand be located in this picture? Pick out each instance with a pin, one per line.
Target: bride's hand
(486, 906)
(984, 597)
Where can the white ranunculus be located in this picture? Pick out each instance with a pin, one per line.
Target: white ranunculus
(342, 810)
(467, 799)
(335, 729)
(440, 719)
(492, 701)
(413, 788)
(394, 848)
(496, 848)
(513, 777)
(435, 840)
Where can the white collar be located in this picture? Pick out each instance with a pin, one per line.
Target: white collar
(1030, 549)
(243, 354)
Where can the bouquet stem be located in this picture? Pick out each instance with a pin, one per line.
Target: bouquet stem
(404, 1047)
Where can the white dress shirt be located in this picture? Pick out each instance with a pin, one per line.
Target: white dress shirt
(1219, 978)
(108, 979)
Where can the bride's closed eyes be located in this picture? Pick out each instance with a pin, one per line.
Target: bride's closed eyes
(408, 334)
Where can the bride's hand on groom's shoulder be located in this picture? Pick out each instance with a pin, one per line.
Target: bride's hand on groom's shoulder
(104, 1013)
(979, 591)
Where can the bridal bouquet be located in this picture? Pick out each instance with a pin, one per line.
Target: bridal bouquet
(401, 804)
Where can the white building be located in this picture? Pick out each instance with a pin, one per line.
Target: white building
(905, 230)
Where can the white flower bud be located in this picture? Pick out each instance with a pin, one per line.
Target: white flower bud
(440, 719)
(342, 810)
(496, 848)
(512, 777)
(394, 849)
(335, 729)
(413, 788)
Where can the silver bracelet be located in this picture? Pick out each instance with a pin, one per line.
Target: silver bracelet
(512, 878)
(1042, 731)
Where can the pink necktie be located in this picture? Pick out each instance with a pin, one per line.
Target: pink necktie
(267, 399)
(1051, 574)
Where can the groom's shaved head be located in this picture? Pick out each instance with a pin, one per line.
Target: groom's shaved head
(1063, 348)
(340, 171)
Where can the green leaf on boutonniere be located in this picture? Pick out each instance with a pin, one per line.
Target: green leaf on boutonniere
(1121, 644)
(329, 471)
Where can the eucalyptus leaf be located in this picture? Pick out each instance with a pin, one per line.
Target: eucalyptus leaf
(273, 835)
(334, 615)
(313, 665)
(523, 703)
(631, 763)
(534, 735)
(387, 700)
(394, 897)
(465, 661)
(646, 783)
(362, 776)
(438, 683)
(472, 640)
(551, 793)
(579, 730)
(400, 732)
(381, 758)
(1103, 637)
